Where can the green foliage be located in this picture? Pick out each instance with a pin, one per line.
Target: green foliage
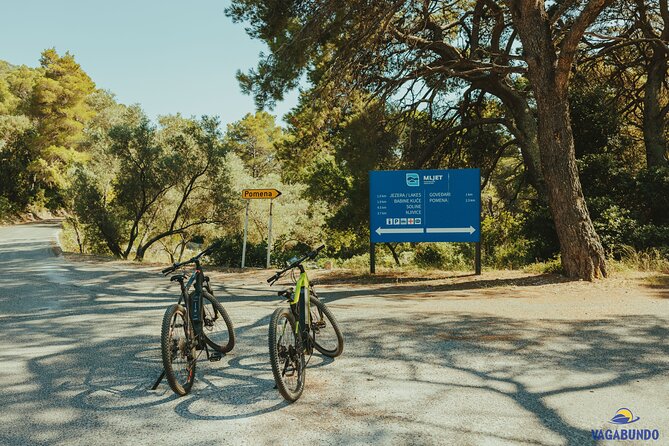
(594, 115)
(539, 229)
(151, 183)
(446, 256)
(7, 208)
(653, 195)
(551, 266)
(651, 259)
(43, 113)
(254, 139)
(229, 253)
(134, 186)
(332, 151)
(360, 262)
(614, 226)
(628, 207)
(284, 250)
(295, 218)
(59, 100)
(504, 242)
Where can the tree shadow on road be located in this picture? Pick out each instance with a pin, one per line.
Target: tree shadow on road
(87, 353)
(516, 363)
(410, 291)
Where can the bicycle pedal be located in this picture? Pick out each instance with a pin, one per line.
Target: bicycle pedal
(214, 357)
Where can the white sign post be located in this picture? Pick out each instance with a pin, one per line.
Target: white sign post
(246, 229)
(269, 233)
(255, 194)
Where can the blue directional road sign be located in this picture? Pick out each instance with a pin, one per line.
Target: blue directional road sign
(425, 205)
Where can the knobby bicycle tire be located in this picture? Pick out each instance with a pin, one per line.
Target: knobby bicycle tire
(325, 319)
(219, 333)
(286, 355)
(179, 361)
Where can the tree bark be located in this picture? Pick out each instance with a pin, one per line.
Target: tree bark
(141, 249)
(580, 247)
(582, 252)
(654, 116)
(393, 251)
(525, 130)
(74, 221)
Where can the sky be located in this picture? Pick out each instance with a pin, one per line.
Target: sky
(168, 56)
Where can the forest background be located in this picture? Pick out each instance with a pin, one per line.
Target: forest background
(565, 110)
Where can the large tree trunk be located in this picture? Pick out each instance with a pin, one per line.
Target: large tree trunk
(653, 115)
(580, 247)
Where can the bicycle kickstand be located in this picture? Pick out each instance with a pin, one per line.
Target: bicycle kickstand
(160, 378)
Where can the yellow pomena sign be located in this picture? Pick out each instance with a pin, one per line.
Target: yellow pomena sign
(250, 194)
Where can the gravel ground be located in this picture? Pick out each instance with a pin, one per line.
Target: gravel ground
(504, 358)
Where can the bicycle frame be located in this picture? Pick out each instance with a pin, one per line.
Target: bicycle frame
(194, 308)
(302, 298)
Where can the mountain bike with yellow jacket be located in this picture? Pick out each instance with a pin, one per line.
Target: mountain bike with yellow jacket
(295, 332)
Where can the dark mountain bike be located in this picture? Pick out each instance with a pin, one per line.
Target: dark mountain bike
(196, 323)
(294, 332)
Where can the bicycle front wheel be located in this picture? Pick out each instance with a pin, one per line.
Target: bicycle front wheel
(324, 327)
(178, 350)
(218, 330)
(286, 355)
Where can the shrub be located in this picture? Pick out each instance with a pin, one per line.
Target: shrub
(283, 251)
(647, 260)
(504, 243)
(448, 256)
(229, 252)
(6, 208)
(552, 266)
(653, 196)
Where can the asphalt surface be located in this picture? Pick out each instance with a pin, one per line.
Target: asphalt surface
(456, 366)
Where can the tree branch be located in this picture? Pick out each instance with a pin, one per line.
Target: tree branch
(569, 44)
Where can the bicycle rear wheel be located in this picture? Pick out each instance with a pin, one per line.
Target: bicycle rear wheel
(178, 350)
(324, 327)
(286, 355)
(218, 330)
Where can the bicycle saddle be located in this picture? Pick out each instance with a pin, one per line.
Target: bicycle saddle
(178, 278)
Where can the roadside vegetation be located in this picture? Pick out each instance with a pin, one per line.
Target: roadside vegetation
(407, 93)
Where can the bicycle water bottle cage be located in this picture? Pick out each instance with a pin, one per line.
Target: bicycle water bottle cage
(178, 278)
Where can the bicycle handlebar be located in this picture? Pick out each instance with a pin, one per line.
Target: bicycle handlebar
(206, 252)
(312, 255)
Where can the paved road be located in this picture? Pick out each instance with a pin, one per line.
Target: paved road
(456, 365)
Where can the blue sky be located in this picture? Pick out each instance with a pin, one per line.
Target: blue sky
(169, 56)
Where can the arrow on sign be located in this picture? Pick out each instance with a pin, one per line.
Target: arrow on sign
(470, 230)
(380, 231)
